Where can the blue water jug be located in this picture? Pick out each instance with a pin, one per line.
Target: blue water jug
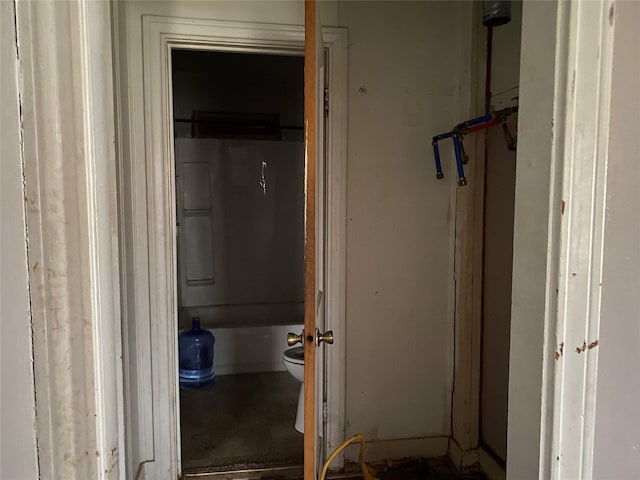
(195, 349)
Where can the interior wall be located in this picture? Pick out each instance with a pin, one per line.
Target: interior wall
(18, 449)
(256, 228)
(617, 433)
(500, 180)
(531, 237)
(240, 241)
(282, 12)
(403, 88)
(251, 349)
(130, 23)
(238, 83)
(251, 241)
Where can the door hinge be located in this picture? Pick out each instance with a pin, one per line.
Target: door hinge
(326, 101)
(325, 413)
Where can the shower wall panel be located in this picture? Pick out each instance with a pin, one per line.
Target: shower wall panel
(240, 221)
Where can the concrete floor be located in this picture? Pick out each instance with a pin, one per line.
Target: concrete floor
(406, 469)
(246, 421)
(422, 469)
(241, 421)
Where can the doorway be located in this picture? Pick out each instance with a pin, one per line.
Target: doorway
(239, 163)
(149, 231)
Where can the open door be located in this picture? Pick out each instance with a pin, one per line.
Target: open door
(314, 301)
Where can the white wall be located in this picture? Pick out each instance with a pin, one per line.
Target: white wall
(253, 247)
(238, 83)
(251, 349)
(258, 245)
(403, 88)
(277, 11)
(617, 435)
(531, 238)
(407, 58)
(18, 456)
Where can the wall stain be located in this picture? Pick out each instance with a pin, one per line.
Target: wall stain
(562, 207)
(560, 351)
(611, 14)
(586, 347)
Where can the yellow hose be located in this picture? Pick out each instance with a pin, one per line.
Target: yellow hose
(365, 471)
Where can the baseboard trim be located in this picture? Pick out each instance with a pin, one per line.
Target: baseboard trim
(472, 461)
(464, 461)
(377, 450)
(490, 466)
(287, 471)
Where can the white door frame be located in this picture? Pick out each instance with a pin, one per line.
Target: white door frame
(565, 87)
(563, 133)
(469, 219)
(66, 132)
(147, 189)
(69, 185)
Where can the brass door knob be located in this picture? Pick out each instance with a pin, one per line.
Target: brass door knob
(326, 337)
(292, 338)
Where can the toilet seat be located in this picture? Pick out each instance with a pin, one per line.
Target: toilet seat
(294, 355)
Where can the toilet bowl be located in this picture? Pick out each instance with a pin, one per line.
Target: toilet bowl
(294, 361)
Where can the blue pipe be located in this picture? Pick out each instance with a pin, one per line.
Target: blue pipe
(456, 145)
(442, 136)
(436, 154)
(460, 130)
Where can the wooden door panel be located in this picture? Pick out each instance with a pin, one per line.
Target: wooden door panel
(314, 258)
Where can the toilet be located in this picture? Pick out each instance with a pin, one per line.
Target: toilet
(294, 361)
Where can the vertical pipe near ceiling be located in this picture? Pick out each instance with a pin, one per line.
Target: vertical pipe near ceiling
(496, 12)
